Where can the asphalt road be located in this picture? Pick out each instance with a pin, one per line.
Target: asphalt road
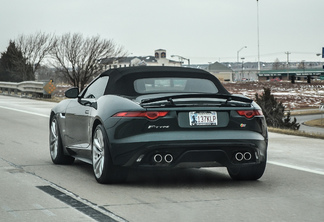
(34, 189)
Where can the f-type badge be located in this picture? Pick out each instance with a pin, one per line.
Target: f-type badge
(157, 127)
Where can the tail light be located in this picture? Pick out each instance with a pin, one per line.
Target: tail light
(152, 115)
(250, 113)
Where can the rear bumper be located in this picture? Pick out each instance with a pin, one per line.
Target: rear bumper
(189, 149)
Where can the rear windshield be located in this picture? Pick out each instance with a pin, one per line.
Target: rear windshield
(166, 85)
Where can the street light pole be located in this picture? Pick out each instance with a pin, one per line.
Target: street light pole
(238, 52)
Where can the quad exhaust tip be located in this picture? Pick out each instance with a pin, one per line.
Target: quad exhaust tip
(243, 156)
(247, 156)
(168, 158)
(158, 158)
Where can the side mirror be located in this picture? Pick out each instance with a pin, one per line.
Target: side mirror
(72, 93)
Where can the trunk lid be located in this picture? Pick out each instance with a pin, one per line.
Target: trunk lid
(196, 110)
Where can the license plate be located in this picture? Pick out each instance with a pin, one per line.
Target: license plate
(203, 118)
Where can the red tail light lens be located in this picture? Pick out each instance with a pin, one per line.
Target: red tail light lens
(250, 113)
(150, 115)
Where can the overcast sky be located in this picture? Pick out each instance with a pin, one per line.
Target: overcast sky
(201, 30)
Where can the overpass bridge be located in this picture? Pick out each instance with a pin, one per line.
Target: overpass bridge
(292, 74)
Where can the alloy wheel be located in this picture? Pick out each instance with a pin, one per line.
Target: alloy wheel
(98, 153)
(54, 139)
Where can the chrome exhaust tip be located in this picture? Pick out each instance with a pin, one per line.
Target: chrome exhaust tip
(239, 156)
(247, 156)
(168, 158)
(157, 158)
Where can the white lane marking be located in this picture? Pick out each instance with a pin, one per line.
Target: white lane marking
(45, 211)
(10, 211)
(296, 167)
(24, 111)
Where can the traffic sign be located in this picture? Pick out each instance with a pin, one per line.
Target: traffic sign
(49, 87)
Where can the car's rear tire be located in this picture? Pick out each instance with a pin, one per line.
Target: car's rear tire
(252, 172)
(55, 143)
(103, 168)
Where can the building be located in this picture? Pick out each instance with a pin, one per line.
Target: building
(222, 72)
(159, 59)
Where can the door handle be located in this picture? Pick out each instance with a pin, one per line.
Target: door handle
(87, 112)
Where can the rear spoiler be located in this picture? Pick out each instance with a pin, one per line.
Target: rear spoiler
(184, 96)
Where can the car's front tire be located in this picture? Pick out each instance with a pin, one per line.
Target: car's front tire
(103, 168)
(251, 172)
(55, 143)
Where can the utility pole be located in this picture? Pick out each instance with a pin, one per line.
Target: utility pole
(258, 36)
(288, 53)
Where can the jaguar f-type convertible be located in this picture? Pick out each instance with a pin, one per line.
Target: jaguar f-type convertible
(158, 118)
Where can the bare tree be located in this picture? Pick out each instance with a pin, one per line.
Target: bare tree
(276, 65)
(302, 65)
(77, 58)
(34, 49)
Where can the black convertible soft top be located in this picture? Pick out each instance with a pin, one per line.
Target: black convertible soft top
(121, 80)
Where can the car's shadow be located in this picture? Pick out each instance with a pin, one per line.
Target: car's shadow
(203, 177)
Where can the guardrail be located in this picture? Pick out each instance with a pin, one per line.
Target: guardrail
(33, 88)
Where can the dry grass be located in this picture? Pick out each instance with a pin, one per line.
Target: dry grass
(305, 112)
(296, 133)
(315, 122)
(301, 95)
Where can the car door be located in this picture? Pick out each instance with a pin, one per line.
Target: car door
(79, 115)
